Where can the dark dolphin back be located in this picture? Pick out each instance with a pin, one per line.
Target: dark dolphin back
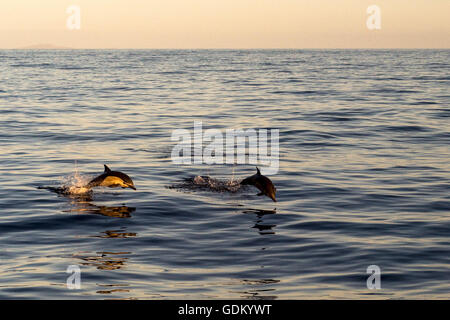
(250, 180)
(96, 181)
(120, 175)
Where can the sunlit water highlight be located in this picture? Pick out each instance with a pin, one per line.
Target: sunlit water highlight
(363, 180)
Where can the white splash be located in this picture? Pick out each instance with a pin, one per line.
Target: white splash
(75, 183)
(216, 184)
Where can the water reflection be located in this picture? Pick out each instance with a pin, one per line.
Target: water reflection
(82, 203)
(116, 234)
(108, 260)
(263, 228)
(259, 289)
(104, 260)
(112, 288)
(114, 211)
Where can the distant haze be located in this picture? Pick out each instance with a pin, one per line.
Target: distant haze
(226, 24)
(44, 46)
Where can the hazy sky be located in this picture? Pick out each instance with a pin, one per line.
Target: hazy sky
(226, 24)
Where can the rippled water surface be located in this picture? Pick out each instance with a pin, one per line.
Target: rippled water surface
(364, 174)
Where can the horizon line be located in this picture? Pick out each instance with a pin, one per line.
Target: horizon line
(238, 48)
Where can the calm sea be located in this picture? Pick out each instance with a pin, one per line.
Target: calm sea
(364, 174)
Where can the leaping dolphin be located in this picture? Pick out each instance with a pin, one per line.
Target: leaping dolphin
(111, 179)
(262, 183)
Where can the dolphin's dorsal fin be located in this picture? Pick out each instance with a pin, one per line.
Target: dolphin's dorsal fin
(107, 169)
(258, 172)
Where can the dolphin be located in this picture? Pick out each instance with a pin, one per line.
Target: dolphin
(111, 179)
(262, 183)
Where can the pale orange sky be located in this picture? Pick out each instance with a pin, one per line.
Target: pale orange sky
(226, 24)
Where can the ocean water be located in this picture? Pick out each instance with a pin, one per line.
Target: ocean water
(363, 174)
